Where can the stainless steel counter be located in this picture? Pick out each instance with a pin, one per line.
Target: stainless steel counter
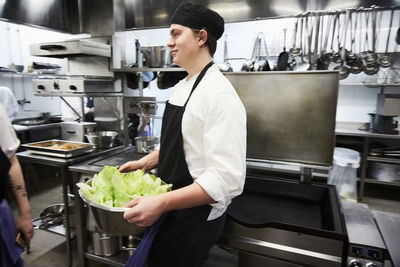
(352, 129)
(28, 159)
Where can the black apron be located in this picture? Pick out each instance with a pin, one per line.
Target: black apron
(5, 166)
(186, 236)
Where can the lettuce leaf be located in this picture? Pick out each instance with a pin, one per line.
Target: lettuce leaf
(114, 189)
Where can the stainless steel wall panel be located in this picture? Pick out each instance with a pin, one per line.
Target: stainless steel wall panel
(53, 14)
(290, 115)
(157, 13)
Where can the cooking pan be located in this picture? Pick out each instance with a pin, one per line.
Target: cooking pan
(283, 56)
(168, 79)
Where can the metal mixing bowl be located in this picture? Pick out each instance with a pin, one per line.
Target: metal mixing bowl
(102, 139)
(111, 220)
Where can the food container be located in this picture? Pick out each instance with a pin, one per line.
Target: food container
(146, 144)
(156, 56)
(59, 148)
(102, 139)
(111, 220)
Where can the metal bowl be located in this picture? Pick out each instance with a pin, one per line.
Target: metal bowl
(102, 139)
(111, 220)
(156, 56)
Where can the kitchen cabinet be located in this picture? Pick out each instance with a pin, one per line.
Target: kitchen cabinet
(365, 142)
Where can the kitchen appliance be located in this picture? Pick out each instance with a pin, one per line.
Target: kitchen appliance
(366, 245)
(387, 108)
(73, 84)
(79, 47)
(278, 221)
(76, 131)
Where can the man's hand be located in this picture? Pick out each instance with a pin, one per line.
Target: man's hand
(131, 166)
(24, 225)
(144, 211)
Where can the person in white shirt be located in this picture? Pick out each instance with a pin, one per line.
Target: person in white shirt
(11, 178)
(9, 102)
(202, 150)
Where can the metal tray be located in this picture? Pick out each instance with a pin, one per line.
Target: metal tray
(54, 148)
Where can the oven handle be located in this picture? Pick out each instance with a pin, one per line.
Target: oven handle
(52, 47)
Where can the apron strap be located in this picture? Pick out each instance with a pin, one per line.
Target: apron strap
(198, 79)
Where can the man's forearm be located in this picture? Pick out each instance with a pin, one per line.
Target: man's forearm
(150, 161)
(186, 197)
(17, 185)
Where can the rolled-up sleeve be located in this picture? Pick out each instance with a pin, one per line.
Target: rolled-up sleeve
(224, 141)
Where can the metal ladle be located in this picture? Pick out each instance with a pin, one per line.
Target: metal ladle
(343, 70)
(371, 57)
(386, 60)
(296, 51)
(356, 66)
(323, 61)
(331, 56)
(350, 55)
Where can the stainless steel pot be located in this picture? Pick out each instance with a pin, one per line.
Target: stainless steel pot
(146, 144)
(104, 244)
(156, 56)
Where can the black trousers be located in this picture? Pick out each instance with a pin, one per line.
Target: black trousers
(185, 238)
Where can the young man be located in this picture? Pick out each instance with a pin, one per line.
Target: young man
(202, 151)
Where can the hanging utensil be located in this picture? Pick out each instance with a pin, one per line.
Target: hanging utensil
(295, 51)
(323, 61)
(371, 59)
(331, 55)
(356, 66)
(386, 60)
(343, 70)
(314, 54)
(303, 65)
(351, 56)
(283, 56)
(226, 66)
(370, 56)
(309, 43)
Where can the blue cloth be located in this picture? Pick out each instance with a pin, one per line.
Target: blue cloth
(9, 251)
(139, 257)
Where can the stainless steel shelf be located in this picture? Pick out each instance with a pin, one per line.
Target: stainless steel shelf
(147, 69)
(370, 85)
(118, 259)
(79, 94)
(388, 183)
(382, 159)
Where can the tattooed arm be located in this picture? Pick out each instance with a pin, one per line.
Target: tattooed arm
(17, 185)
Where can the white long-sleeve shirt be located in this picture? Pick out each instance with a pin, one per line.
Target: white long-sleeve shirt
(9, 141)
(214, 136)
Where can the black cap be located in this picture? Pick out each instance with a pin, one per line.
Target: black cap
(199, 17)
